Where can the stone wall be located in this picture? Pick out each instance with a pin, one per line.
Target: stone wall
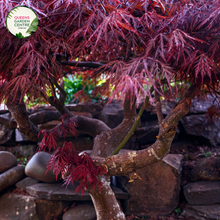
(156, 192)
(195, 124)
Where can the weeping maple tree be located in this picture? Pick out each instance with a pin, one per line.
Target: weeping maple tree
(144, 50)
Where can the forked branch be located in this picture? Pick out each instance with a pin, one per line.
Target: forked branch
(106, 143)
(126, 163)
(25, 126)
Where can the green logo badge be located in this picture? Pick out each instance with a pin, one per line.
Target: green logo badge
(22, 21)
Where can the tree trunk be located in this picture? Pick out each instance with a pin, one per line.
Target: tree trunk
(105, 202)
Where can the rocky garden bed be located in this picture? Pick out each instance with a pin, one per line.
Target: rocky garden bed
(184, 185)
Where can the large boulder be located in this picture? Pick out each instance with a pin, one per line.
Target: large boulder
(17, 207)
(37, 167)
(28, 181)
(51, 124)
(157, 192)
(201, 212)
(84, 211)
(206, 169)
(11, 176)
(198, 105)
(50, 210)
(202, 126)
(21, 207)
(113, 114)
(93, 108)
(147, 132)
(56, 191)
(7, 160)
(202, 192)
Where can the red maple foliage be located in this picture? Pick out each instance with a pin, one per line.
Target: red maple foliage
(66, 160)
(138, 41)
(78, 166)
(135, 43)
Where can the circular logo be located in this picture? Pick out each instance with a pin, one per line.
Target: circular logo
(22, 22)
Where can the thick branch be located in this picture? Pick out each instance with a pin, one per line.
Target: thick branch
(104, 200)
(90, 126)
(126, 163)
(53, 88)
(25, 126)
(59, 106)
(178, 111)
(53, 100)
(106, 143)
(85, 125)
(44, 116)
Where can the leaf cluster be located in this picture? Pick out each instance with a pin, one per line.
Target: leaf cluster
(137, 41)
(76, 167)
(67, 161)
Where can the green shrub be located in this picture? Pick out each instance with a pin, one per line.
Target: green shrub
(75, 83)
